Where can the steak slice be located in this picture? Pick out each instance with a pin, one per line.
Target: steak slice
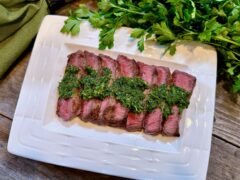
(109, 63)
(162, 75)
(86, 109)
(92, 60)
(186, 82)
(126, 67)
(115, 116)
(105, 104)
(90, 110)
(171, 125)
(183, 80)
(68, 108)
(77, 59)
(154, 118)
(135, 121)
(153, 122)
(146, 72)
(108, 102)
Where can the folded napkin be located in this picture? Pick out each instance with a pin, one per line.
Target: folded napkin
(19, 23)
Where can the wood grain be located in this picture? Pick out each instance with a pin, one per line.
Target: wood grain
(227, 117)
(224, 163)
(14, 167)
(10, 86)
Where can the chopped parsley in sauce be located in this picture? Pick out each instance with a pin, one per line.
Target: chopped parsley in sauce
(69, 82)
(165, 96)
(130, 92)
(95, 85)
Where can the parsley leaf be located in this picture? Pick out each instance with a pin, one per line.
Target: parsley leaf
(141, 44)
(172, 49)
(236, 86)
(71, 25)
(97, 20)
(82, 12)
(163, 32)
(106, 38)
(137, 33)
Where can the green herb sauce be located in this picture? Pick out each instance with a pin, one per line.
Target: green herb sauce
(95, 85)
(179, 97)
(165, 96)
(130, 92)
(69, 82)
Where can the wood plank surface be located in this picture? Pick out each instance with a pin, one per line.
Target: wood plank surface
(11, 84)
(224, 163)
(227, 116)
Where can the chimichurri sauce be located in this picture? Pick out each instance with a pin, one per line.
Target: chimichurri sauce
(129, 91)
(69, 82)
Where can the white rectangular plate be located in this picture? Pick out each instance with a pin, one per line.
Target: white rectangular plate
(38, 133)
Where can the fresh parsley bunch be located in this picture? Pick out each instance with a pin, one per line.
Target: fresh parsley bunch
(214, 22)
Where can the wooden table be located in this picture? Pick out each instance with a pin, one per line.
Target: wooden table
(224, 160)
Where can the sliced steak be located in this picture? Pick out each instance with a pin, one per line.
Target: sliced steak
(74, 59)
(146, 72)
(86, 109)
(77, 59)
(113, 113)
(171, 125)
(183, 80)
(186, 82)
(135, 121)
(109, 63)
(162, 75)
(120, 113)
(92, 60)
(109, 102)
(68, 108)
(126, 67)
(90, 110)
(115, 116)
(153, 122)
(105, 104)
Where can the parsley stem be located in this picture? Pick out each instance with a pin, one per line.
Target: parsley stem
(221, 38)
(126, 10)
(226, 49)
(236, 53)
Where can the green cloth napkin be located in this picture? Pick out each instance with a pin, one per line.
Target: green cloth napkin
(19, 23)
